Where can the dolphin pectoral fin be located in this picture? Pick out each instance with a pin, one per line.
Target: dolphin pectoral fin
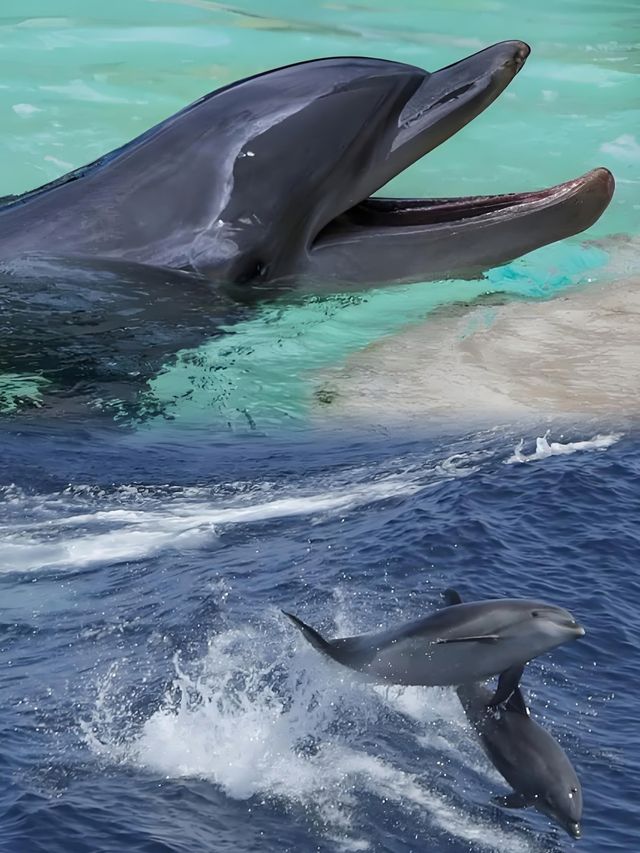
(311, 635)
(482, 638)
(516, 703)
(507, 683)
(511, 801)
(451, 597)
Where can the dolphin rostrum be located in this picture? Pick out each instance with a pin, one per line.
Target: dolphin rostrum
(455, 645)
(269, 179)
(260, 187)
(525, 754)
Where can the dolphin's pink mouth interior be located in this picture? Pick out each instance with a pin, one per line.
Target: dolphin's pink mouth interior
(378, 214)
(431, 211)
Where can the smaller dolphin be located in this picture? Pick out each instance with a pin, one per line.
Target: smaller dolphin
(455, 645)
(527, 756)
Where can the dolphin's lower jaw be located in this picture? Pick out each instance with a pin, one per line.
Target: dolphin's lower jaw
(269, 184)
(408, 240)
(570, 825)
(574, 830)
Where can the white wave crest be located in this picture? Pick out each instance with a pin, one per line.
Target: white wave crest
(81, 527)
(546, 448)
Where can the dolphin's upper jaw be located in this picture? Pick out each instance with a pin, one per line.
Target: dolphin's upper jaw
(451, 97)
(482, 231)
(415, 112)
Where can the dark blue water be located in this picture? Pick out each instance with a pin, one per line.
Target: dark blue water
(153, 699)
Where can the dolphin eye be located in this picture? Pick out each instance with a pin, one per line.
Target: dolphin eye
(535, 613)
(254, 270)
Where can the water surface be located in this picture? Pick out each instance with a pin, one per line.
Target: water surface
(152, 697)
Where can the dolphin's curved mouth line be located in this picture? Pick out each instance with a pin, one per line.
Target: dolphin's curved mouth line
(377, 214)
(418, 239)
(280, 189)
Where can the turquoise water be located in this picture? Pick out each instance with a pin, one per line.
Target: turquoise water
(80, 78)
(152, 697)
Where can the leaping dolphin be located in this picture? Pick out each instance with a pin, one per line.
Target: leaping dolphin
(457, 644)
(525, 754)
(262, 186)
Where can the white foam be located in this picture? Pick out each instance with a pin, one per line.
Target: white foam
(228, 720)
(546, 448)
(133, 522)
(167, 524)
(25, 110)
(258, 717)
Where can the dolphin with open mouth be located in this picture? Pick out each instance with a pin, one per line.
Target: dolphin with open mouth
(261, 187)
(269, 180)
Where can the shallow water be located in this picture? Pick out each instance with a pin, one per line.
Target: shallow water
(571, 358)
(82, 82)
(152, 697)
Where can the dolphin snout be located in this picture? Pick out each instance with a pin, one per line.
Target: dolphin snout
(603, 176)
(574, 830)
(521, 52)
(575, 627)
(574, 631)
(507, 56)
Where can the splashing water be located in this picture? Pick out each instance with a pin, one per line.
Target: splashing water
(282, 725)
(545, 448)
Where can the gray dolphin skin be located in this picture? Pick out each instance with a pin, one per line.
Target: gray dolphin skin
(525, 754)
(268, 181)
(260, 188)
(455, 645)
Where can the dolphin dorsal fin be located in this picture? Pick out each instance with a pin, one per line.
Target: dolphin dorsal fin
(451, 597)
